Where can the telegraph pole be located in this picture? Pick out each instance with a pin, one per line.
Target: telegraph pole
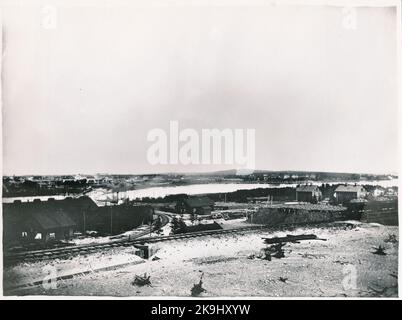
(84, 222)
(150, 224)
(111, 221)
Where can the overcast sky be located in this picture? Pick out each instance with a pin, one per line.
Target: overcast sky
(80, 95)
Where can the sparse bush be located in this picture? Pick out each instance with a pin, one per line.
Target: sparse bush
(197, 288)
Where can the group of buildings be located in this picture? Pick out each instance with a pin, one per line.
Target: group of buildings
(42, 221)
(53, 181)
(203, 205)
(348, 202)
(342, 194)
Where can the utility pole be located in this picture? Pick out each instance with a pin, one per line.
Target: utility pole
(150, 224)
(111, 220)
(84, 222)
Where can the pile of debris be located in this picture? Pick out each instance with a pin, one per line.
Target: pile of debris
(292, 238)
(392, 238)
(277, 243)
(141, 280)
(275, 250)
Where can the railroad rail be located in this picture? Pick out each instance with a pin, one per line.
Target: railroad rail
(66, 252)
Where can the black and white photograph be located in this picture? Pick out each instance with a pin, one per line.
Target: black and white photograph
(200, 149)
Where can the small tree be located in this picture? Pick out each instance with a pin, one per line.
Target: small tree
(197, 288)
(193, 218)
(158, 225)
(182, 226)
(178, 225)
(315, 199)
(175, 224)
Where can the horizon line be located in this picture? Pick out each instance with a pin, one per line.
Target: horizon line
(201, 172)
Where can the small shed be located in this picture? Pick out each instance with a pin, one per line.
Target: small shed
(308, 193)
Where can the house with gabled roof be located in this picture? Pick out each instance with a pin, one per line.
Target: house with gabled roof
(195, 205)
(345, 193)
(308, 193)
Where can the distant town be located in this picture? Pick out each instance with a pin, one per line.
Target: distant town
(15, 186)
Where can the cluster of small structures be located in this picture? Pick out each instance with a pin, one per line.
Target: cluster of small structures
(60, 228)
(51, 221)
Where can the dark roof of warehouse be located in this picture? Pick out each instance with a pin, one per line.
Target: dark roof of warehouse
(52, 220)
(67, 203)
(47, 214)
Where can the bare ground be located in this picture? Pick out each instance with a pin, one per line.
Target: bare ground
(344, 265)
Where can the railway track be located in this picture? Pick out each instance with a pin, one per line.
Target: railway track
(67, 252)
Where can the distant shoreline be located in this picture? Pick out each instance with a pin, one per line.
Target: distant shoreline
(163, 189)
